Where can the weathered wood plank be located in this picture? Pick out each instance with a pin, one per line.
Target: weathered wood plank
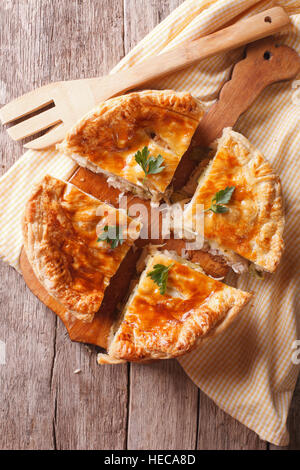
(44, 404)
(218, 431)
(294, 420)
(28, 330)
(158, 388)
(163, 401)
(141, 16)
(163, 407)
(91, 407)
(25, 325)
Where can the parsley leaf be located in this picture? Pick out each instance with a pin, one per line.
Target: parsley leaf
(221, 197)
(224, 196)
(160, 275)
(141, 158)
(150, 165)
(112, 235)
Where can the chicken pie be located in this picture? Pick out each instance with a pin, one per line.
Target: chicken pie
(249, 226)
(173, 308)
(75, 244)
(109, 138)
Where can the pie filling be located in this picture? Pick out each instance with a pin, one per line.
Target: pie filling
(148, 253)
(236, 262)
(118, 182)
(250, 227)
(152, 322)
(67, 245)
(112, 137)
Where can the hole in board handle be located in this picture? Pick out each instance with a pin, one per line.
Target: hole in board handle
(268, 19)
(267, 55)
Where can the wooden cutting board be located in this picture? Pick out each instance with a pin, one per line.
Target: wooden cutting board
(265, 62)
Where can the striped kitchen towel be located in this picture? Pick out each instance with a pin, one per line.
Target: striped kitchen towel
(251, 370)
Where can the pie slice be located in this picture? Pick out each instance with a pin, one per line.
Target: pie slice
(162, 325)
(253, 224)
(62, 227)
(107, 139)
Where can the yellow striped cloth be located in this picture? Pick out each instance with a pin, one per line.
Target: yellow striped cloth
(248, 371)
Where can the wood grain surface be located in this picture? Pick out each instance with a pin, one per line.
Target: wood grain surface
(43, 404)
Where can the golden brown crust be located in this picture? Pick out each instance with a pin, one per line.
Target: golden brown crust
(253, 226)
(159, 326)
(106, 139)
(60, 227)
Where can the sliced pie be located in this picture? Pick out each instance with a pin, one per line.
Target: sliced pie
(107, 139)
(253, 223)
(172, 309)
(70, 241)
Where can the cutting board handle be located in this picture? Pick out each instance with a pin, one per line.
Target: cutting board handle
(266, 62)
(243, 32)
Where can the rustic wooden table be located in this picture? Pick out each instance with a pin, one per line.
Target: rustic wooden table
(43, 404)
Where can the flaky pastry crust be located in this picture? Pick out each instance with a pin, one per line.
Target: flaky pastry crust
(106, 139)
(253, 226)
(156, 326)
(60, 228)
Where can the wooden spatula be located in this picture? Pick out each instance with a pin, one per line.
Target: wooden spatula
(250, 76)
(72, 99)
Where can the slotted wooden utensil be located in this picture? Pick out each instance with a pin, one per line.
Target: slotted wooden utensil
(72, 99)
(250, 76)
